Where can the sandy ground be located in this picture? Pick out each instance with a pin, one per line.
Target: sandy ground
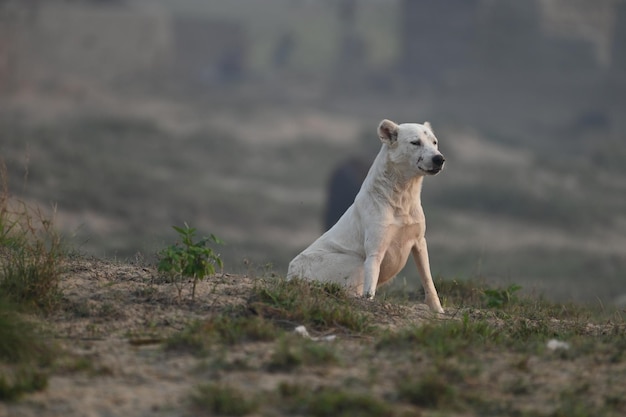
(116, 318)
(111, 331)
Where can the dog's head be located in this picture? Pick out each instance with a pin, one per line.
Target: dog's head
(413, 146)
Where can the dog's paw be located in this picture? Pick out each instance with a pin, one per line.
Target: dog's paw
(436, 310)
(368, 296)
(435, 307)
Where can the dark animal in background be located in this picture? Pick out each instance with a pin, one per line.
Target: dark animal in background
(343, 185)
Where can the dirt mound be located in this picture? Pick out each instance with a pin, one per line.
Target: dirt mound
(115, 320)
(133, 343)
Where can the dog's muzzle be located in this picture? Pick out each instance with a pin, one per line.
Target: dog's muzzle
(437, 164)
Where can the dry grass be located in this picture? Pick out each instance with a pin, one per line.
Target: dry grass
(31, 257)
(31, 252)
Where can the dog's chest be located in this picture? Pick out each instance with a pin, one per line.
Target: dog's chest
(402, 240)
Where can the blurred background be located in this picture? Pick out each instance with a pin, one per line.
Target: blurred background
(131, 116)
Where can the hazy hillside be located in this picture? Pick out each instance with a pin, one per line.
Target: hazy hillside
(241, 145)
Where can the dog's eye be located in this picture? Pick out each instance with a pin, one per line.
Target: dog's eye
(416, 142)
(435, 143)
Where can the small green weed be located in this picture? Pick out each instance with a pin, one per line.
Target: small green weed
(215, 399)
(189, 259)
(498, 298)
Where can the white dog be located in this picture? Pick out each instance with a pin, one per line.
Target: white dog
(371, 242)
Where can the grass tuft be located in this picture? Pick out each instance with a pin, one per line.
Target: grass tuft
(25, 380)
(330, 401)
(215, 399)
(31, 252)
(201, 335)
(31, 255)
(22, 353)
(320, 306)
(442, 339)
(429, 391)
(294, 351)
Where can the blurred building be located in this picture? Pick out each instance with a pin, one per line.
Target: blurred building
(447, 43)
(111, 43)
(482, 37)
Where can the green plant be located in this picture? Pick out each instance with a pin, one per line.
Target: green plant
(189, 259)
(498, 298)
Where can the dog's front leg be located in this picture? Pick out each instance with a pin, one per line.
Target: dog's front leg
(371, 273)
(420, 255)
(376, 244)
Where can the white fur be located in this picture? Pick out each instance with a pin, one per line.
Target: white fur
(371, 242)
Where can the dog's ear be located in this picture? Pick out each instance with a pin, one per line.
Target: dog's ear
(388, 131)
(429, 127)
